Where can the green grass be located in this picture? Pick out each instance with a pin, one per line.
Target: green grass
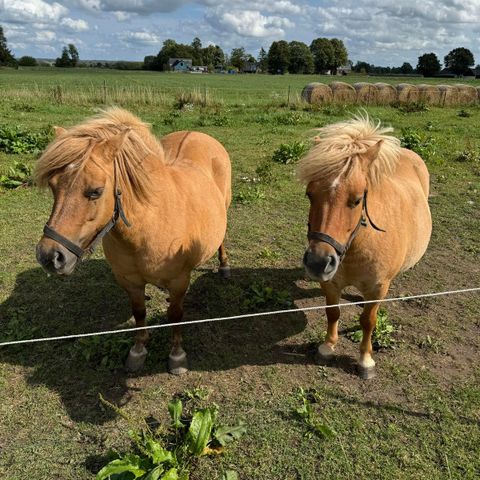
(418, 419)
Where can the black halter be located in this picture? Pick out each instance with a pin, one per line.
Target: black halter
(80, 252)
(339, 248)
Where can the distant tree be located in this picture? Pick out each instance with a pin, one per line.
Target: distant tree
(428, 65)
(340, 55)
(301, 58)
(459, 60)
(262, 60)
(213, 57)
(69, 57)
(6, 57)
(239, 57)
(323, 53)
(171, 49)
(197, 57)
(362, 67)
(149, 62)
(406, 68)
(278, 57)
(73, 52)
(27, 61)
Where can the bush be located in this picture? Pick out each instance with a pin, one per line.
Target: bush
(17, 176)
(27, 61)
(14, 139)
(419, 142)
(290, 152)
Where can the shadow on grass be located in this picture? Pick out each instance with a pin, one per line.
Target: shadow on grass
(91, 300)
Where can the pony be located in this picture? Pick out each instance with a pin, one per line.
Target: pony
(160, 207)
(369, 219)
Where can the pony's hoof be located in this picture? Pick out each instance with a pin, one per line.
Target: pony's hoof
(136, 359)
(177, 362)
(325, 354)
(225, 272)
(366, 373)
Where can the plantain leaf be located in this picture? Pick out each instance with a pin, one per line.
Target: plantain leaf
(200, 431)
(157, 453)
(172, 474)
(226, 434)
(230, 475)
(175, 409)
(130, 463)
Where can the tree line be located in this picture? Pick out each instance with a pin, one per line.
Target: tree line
(322, 55)
(458, 61)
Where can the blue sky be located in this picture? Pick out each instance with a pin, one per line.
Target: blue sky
(386, 32)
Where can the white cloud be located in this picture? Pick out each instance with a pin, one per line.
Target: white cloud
(45, 36)
(122, 16)
(75, 25)
(140, 38)
(248, 23)
(29, 11)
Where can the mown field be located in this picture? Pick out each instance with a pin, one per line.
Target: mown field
(418, 419)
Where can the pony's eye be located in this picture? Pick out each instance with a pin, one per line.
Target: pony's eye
(357, 202)
(94, 193)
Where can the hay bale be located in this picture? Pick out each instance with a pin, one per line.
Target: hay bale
(407, 93)
(386, 94)
(467, 94)
(343, 92)
(317, 93)
(366, 93)
(429, 94)
(448, 95)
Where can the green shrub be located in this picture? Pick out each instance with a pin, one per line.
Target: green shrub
(260, 295)
(419, 142)
(15, 139)
(290, 152)
(382, 335)
(18, 175)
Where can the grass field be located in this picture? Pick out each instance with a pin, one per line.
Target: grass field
(418, 419)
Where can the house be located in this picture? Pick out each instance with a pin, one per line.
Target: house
(180, 64)
(250, 67)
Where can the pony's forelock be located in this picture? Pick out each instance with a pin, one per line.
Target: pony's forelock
(338, 143)
(74, 147)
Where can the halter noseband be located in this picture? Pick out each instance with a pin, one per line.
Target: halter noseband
(77, 250)
(338, 247)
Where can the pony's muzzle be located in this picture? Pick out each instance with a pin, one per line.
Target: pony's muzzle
(320, 267)
(54, 258)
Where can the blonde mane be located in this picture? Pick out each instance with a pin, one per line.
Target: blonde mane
(337, 144)
(74, 147)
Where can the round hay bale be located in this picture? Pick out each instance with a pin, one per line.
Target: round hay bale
(429, 94)
(343, 92)
(407, 93)
(366, 93)
(448, 95)
(317, 93)
(467, 94)
(386, 94)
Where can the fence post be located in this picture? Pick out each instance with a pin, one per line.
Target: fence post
(104, 91)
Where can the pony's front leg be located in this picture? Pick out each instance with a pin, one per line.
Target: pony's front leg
(177, 360)
(326, 349)
(138, 353)
(368, 321)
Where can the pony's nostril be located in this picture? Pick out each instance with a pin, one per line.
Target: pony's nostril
(330, 264)
(58, 260)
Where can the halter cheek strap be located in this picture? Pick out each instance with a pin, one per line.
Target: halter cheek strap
(337, 246)
(77, 250)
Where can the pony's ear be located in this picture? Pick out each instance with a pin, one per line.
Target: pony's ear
(59, 131)
(108, 148)
(372, 153)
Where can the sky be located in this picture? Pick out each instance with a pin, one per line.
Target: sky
(387, 32)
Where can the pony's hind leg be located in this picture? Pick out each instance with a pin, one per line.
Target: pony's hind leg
(224, 269)
(177, 360)
(138, 353)
(368, 321)
(325, 351)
